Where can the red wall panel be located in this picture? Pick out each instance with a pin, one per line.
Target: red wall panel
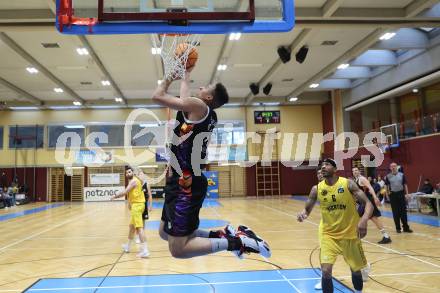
(327, 126)
(26, 176)
(419, 157)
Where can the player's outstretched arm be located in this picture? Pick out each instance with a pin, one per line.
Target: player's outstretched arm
(361, 197)
(185, 91)
(188, 104)
(129, 187)
(310, 203)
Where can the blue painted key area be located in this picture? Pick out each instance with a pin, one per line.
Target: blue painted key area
(299, 280)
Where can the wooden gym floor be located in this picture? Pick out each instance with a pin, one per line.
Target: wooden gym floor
(43, 241)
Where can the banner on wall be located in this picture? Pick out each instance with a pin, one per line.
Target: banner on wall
(104, 179)
(91, 157)
(102, 193)
(212, 177)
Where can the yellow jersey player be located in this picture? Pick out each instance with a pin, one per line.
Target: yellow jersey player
(136, 201)
(341, 228)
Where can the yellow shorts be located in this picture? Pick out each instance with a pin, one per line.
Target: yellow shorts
(351, 250)
(136, 214)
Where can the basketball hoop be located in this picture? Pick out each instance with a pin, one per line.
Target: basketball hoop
(175, 50)
(383, 147)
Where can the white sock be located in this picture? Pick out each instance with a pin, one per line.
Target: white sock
(384, 233)
(357, 291)
(144, 246)
(219, 244)
(129, 243)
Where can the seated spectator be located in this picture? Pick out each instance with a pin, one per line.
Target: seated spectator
(11, 194)
(427, 188)
(5, 198)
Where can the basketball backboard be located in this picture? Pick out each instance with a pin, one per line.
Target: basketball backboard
(392, 135)
(174, 16)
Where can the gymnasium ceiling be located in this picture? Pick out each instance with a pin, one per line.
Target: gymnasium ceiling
(353, 28)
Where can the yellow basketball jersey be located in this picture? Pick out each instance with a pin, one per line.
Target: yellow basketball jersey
(339, 218)
(136, 195)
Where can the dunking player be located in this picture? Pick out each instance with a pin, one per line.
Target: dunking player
(186, 187)
(136, 201)
(340, 229)
(363, 183)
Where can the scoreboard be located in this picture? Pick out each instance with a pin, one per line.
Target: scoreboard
(267, 117)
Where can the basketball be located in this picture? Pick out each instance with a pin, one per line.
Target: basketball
(193, 55)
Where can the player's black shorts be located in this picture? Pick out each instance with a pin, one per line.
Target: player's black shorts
(376, 211)
(183, 199)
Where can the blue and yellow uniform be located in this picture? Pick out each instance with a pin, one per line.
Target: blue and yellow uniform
(136, 199)
(338, 228)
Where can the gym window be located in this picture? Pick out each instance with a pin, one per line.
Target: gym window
(26, 137)
(56, 131)
(115, 134)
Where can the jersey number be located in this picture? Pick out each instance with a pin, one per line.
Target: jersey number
(334, 198)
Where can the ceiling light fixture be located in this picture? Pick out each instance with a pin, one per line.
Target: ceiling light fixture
(105, 82)
(234, 36)
(58, 90)
(387, 36)
(293, 99)
(314, 85)
(77, 103)
(343, 66)
(156, 51)
(74, 126)
(82, 51)
(222, 67)
(32, 70)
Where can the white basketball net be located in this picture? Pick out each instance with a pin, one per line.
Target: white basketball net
(174, 64)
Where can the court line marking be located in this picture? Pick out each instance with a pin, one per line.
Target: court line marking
(374, 244)
(178, 285)
(278, 271)
(44, 231)
(215, 283)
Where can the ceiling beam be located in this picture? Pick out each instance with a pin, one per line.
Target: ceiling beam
(418, 6)
(25, 55)
(353, 52)
(330, 7)
(34, 100)
(352, 72)
(26, 15)
(294, 46)
(376, 58)
(331, 84)
(406, 38)
(102, 68)
(226, 45)
(158, 63)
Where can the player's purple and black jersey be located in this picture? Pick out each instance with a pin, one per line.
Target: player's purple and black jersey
(186, 191)
(185, 133)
